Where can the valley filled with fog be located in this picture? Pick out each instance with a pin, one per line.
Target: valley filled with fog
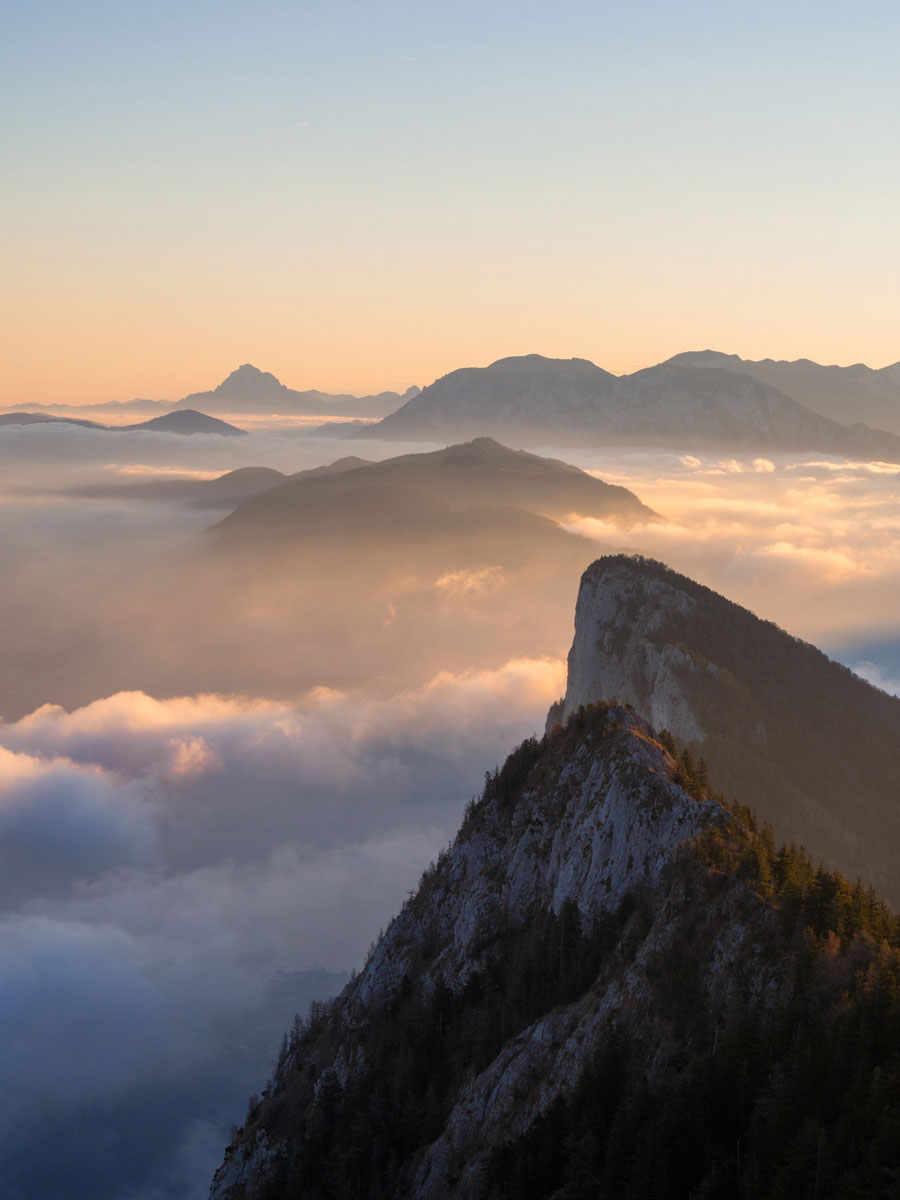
(226, 758)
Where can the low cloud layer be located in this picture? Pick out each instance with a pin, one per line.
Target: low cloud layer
(182, 856)
(811, 543)
(178, 875)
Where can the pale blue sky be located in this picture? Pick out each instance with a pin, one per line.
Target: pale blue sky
(366, 194)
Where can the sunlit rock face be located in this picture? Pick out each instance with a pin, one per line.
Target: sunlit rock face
(594, 821)
(615, 655)
(606, 820)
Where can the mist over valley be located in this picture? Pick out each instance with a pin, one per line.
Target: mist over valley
(249, 685)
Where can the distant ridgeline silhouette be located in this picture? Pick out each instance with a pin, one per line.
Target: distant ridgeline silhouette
(480, 474)
(250, 390)
(187, 421)
(677, 403)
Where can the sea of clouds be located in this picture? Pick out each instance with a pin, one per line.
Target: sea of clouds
(164, 863)
(179, 874)
(808, 542)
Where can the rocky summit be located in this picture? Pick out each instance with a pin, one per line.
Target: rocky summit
(611, 984)
(810, 746)
(562, 841)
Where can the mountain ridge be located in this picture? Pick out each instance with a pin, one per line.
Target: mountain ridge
(480, 473)
(847, 394)
(255, 390)
(185, 422)
(597, 989)
(509, 860)
(540, 400)
(812, 747)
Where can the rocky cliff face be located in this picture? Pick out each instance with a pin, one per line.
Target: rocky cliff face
(617, 652)
(585, 829)
(811, 747)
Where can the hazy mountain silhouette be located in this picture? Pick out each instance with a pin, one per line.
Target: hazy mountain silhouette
(33, 418)
(226, 490)
(348, 463)
(845, 394)
(574, 402)
(413, 488)
(253, 391)
(111, 406)
(185, 422)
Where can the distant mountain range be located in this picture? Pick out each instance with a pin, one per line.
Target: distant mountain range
(250, 390)
(700, 398)
(845, 394)
(185, 422)
(111, 406)
(572, 401)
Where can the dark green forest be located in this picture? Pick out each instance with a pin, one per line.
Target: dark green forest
(801, 1102)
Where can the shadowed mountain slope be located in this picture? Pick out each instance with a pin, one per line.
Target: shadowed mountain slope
(348, 463)
(811, 746)
(846, 394)
(476, 474)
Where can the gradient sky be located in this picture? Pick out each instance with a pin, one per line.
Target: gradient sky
(358, 195)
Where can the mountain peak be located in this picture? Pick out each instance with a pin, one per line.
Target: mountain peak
(249, 382)
(607, 955)
(189, 420)
(812, 747)
(482, 445)
(531, 361)
(564, 835)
